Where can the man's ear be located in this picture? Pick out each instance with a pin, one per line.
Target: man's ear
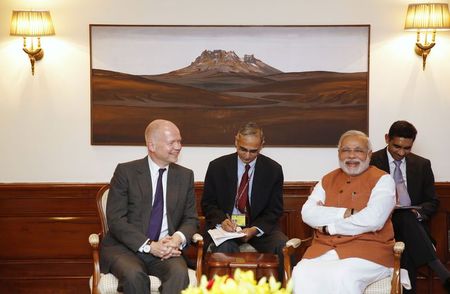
(150, 146)
(386, 138)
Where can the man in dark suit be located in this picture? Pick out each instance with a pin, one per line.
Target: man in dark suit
(151, 216)
(410, 218)
(255, 205)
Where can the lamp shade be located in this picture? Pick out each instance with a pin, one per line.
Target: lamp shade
(31, 24)
(427, 16)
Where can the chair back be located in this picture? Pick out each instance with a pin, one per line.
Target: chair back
(102, 199)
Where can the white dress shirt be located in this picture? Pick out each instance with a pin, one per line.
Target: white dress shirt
(154, 174)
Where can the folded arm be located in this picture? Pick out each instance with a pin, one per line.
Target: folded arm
(370, 219)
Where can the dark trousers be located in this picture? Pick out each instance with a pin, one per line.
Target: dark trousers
(419, 248)
(267, 243)
(132, 271)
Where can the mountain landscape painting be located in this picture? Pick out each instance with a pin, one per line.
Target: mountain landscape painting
(304, 85)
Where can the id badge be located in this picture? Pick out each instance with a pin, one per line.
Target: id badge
(239, 219)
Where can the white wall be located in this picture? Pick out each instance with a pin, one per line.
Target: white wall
(45, 119)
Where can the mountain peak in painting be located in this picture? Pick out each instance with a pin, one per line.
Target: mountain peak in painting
(221, 61)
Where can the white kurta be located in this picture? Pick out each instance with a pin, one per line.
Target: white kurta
(329, 274)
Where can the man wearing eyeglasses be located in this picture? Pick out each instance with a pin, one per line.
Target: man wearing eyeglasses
(245, 189)
(349, 210)
(417, 200)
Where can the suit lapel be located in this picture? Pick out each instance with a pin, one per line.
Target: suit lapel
(231, 177)
(145, 185)
(258, 184)
(384, 161)
(411, 177)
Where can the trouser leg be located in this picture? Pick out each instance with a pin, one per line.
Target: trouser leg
(132, 274)
(419, 249)
(273, 243)
(172, 272)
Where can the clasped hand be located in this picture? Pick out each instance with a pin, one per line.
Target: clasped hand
(167, 247)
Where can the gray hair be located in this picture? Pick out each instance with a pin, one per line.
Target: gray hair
(251, 129)
(357, 134)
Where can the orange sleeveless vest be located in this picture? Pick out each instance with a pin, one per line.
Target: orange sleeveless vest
(342, 190)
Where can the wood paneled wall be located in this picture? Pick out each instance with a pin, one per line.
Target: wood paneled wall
(45, 227)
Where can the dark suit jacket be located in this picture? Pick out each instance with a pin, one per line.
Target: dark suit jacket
(130, 203)
(266, 196)
(420, 180)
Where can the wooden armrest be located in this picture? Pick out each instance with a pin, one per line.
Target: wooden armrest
(198, 240)
(293, 245)
(294, 242)
(399, 247)
(197, 237)
(94, 240)
(396, 286)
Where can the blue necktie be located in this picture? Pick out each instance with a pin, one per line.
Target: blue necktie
(402, 192)
(154, 228)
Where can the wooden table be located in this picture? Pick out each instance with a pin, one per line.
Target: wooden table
(262, 264)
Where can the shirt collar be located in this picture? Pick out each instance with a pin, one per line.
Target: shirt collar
(154, 168)
(242, 164)
(391, 159)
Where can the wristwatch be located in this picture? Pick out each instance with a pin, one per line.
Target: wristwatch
(147, 247)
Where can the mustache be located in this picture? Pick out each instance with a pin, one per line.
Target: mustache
(352, 161)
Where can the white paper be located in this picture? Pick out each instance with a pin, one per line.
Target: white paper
(219, 235)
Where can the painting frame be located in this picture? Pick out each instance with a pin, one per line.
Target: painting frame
(209, 107)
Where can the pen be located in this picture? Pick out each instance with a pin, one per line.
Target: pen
(229, 218)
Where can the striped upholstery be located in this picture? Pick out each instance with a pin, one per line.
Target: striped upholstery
(379, 287)
(108, 283)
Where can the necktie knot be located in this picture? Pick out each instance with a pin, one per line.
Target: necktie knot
(161, 171)
(247, 167)
(397, 163)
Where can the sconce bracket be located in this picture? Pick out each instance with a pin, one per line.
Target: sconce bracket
(34, 55)
(423, 50)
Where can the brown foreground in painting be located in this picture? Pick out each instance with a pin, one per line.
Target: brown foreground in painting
(295, 109)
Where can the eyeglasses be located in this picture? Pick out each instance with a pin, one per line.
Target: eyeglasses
(245, 150)
(357, 151)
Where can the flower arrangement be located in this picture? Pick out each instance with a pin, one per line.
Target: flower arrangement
(242, 282)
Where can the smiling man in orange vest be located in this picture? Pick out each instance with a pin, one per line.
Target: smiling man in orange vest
(350, 210)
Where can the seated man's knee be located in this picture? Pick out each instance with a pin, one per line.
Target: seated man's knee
(180, 272)
(226, 247)
(135, 277)
(404, 217)
(280, 244)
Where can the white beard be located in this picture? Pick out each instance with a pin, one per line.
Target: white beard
(354, 171)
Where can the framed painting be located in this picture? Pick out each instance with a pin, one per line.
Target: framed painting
(305, 85)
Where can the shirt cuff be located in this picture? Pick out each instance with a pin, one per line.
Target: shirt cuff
(183, 239)
(331, 229)
(341, 212)
(141, 249)
(260, 232)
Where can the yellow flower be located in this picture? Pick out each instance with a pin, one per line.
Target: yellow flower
(243, 282)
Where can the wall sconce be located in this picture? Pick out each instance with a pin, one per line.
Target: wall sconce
(427, 18)
(32, 24)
